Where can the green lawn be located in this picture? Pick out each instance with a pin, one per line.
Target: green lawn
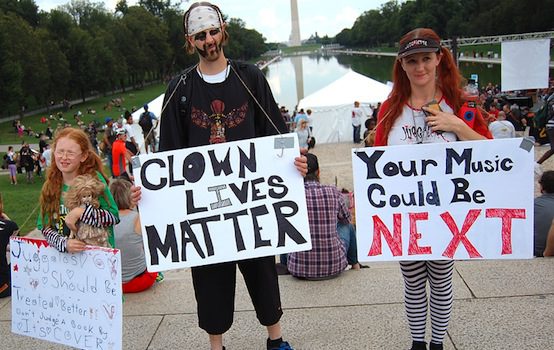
(21, 201)
(130, 99)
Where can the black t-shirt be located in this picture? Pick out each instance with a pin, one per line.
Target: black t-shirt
(26, 156)
(219, 112)
(200, 113)
(41, 145)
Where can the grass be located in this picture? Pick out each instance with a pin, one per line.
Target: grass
(304, 48)
(130, 99)
(21, 200)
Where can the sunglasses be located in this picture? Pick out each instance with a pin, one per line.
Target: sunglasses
(202, 35)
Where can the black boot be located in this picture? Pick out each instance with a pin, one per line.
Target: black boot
(418, 345)
(433, 346)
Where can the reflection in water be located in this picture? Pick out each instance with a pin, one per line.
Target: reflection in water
(299, 76)
(316, 71)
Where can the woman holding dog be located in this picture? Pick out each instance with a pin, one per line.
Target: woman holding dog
(73, 155)
(425, 74)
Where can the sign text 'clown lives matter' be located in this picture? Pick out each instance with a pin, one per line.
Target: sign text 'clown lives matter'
(461, 200)
(222, 202)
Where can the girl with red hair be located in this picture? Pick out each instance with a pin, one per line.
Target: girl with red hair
(73, 155)
(426, 105)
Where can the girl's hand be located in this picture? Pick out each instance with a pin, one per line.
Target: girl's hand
(73, 217)
(75, 245)
(135, 195)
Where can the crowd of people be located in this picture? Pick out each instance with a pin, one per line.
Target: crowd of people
(423, 72)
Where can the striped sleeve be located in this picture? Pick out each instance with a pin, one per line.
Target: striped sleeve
(54, 239)
(98, 217)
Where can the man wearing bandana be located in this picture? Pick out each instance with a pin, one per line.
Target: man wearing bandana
(215, 101)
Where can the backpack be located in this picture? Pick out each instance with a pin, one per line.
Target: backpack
(145, 122)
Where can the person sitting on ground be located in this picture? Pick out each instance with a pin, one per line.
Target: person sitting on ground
(128, 236)
(347, 232)
(549, 250)
(326, 207)
(369, 133)
(544, 211)
(8, 228)
(501, 128)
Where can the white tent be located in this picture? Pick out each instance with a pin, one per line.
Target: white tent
(154, 106)
(332, 105)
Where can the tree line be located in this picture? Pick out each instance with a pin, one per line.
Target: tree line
(449, 18)
(81, 49)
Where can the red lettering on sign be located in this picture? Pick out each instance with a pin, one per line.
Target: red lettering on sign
(460, 236)
(394, 241)
(414, 248)
(506, 215)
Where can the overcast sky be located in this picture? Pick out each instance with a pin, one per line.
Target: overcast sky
(272, 18)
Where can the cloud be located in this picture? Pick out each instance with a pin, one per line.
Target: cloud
(266, 16)
(272, 23)
(346, 17)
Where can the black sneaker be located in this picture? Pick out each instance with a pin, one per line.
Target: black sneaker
(283, 346)
(418, 345)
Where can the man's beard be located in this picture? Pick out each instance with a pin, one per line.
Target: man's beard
(214, 54)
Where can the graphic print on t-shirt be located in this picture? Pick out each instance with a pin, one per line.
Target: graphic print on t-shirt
(217, 120)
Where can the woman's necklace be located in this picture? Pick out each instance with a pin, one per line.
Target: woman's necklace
(419, 128)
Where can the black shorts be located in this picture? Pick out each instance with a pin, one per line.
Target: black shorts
(214, 288)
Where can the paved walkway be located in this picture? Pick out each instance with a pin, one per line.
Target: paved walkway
(498, 304)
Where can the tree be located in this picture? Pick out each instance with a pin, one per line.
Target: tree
(30, 71)
(122, 7)
(244, 43)
(155, 7)
(59, 74)
(26, 9)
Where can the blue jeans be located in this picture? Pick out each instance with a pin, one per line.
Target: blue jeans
(347, 234)
(356, 134)
(284, 259)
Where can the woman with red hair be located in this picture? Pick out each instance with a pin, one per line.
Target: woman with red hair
(426, 105)
(73, 155)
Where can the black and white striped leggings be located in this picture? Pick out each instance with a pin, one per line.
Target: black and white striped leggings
(439, 274)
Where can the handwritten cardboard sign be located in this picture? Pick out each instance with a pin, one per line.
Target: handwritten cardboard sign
(71, 299)
(222, 202)
(460, 200)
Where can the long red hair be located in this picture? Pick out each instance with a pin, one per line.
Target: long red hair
(52, 188)
(449, 81)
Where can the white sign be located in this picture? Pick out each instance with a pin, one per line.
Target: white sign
(222, 202)
(525, 64)
(71, 299)
(459, 200)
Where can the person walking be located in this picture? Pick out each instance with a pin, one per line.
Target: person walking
(357, 117)
(11, 160)
(424, 73)
(146, 122)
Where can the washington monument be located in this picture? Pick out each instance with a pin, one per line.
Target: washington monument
(294, 39)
